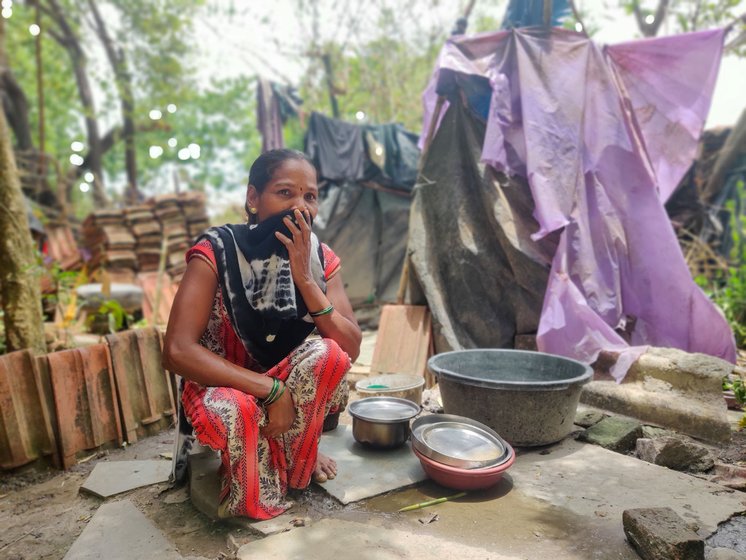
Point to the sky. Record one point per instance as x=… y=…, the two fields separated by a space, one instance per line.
x=230 y=46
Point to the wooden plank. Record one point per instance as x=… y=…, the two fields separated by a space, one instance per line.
x=404 y=340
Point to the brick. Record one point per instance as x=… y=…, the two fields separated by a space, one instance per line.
x=660 y=534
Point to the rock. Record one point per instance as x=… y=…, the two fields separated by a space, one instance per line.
x=431 y=401
x=669 y=388
x=675 y=452
x=660 y=534
x=654 y=432
x=732 y=476
x=723 y=554
x=615 y=433
x=587 y=418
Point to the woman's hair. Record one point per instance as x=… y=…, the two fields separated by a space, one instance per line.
x=265 y=165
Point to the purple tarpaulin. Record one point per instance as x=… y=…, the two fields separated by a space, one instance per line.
x=603 y=136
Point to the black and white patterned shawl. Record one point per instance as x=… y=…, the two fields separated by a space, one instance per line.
x=264 y=306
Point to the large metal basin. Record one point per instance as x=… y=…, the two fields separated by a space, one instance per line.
x=529 y=398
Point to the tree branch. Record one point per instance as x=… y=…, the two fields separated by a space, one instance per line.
x=695 y=17
x=650 y=29
x=739 y=40
x=734 y=23
x=577 y=16
x=108 y=141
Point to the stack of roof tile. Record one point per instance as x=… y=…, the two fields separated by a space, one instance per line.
x=148 y=237
x=193 y=207
x=112 y=246
x=173 y=227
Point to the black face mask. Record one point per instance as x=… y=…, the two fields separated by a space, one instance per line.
x=265 y=308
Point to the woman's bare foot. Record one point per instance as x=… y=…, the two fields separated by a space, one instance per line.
x=326 y=468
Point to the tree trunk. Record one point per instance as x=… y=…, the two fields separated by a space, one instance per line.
x=128 y=131
x=19 y=288
x=118 y=63
x=15 y=105
x=65 y=36
x=329 y=71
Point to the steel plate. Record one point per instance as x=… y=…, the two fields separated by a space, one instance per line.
x=384 y=410
x=459 y=442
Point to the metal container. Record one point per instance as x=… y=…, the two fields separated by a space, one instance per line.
x=458 y=441
x=529 y=398
x=382 y=422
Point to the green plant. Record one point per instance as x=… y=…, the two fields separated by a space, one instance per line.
x=728 y=289
x=731 y=298
x=112 y=314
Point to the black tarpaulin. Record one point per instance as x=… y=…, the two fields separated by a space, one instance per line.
x=367 y=173
x=471 y=253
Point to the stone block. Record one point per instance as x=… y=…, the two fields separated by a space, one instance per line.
x=614 y=433
x=587 y=418
x=670 y=388
x=204 y=482
x=675 y=452
x=660 y=534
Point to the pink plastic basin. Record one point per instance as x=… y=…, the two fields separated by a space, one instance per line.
x=464 y=479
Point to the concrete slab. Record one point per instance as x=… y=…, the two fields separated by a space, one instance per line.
x=330 y=538
x=563 y=502
x=591 y=481
x=281 y=524
x=112 y=478
x=363 y=473
x=670 y=388
x=119 y=531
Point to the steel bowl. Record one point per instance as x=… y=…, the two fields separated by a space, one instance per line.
x=382 y=422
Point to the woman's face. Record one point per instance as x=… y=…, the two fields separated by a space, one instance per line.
x=293 y=185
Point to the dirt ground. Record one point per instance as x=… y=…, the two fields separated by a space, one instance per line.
x=42 y=512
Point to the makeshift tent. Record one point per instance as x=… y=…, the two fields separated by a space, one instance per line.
x=576 y=246
x=366 y=174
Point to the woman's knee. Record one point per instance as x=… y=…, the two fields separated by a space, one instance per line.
x=335 y=352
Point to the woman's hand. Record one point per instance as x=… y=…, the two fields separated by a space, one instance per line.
x=280 y=414
x=299 y=247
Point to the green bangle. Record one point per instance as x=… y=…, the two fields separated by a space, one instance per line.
x=277 y=394
x=272 y=391
x=324 y=311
